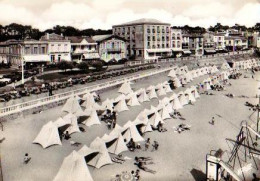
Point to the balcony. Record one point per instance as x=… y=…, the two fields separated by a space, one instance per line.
x=114 y=50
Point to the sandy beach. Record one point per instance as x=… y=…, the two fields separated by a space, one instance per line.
x=179 y=157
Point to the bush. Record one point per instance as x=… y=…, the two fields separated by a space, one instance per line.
x=83 y=66
x=122 y=61
x=64 y=65
x=97 y=64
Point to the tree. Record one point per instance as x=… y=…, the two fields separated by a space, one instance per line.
x=97 y=64
x=83 y=66
x=64 y=65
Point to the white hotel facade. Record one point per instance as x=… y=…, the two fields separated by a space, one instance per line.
x=147 y=38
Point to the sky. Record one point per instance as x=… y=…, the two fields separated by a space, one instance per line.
x=102 y=14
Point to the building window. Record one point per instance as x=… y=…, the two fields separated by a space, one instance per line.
x=148 y=30
x=163 y=46
x=52 y=58
x=27 y=50
x=35 y=50
x=153 y=38
x=43 y=50
x=59 y=58
x=167 y=45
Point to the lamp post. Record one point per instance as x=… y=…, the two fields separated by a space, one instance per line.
x=22 y=70
x=257 y=123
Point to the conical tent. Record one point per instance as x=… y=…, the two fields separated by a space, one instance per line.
x=88 y=153
x=155 y=119
x=167 y=104
x=125 y=88
x=89 y=100
x=118 y=129
x=132 y=99
x=225 y=66
x=74 y=127
x=190 y=95
x=103 y=157
x=92 y=119
x=151 y=92
x=115 y=143
x=107 y=104
x=48 y=135
x=182 y=98
x=142 y=96
x=120 y=104
x=176 y=82
x=172 y=73
x=145 y=125
x=73 y=168
x=167 y=87
x=130 y=131
x=72 y=106
x=175 y=102
x=164 y=113
x=195 y=92
x=160 y=90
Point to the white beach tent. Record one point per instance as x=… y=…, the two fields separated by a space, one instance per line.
x=132 y=99
x=89 y=100
x=142 y=96
x=125 y=88
x=115 y=143
x=107 y=104
x=72 y=105
x=130 y=131
x=73 y=168
x=167 y=87
x=92 y=118
x=172 y=73
x=194 y=92
x=176 y=82
x=145 y=125
x=151 y=92
x=175 y=102
x=160 y=90
x=74 y=127
x=182 y=98
x=120 y=103
x=88 y=153
x=116 y=130
x=155 y=118
x=103 y=157
x=194 y=74
x=189 y=95
x=164 y=113
x=48 y=135
x=225 y=66
x=167 y=103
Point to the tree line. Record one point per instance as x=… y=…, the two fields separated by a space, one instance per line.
x=20 y=32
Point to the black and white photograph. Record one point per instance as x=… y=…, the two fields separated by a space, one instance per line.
x=129 y=90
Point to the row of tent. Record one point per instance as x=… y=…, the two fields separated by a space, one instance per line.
x=241 y=65
x=51 y=132
x=97 y=154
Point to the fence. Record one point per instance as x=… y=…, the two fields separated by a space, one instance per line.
x=63 y=96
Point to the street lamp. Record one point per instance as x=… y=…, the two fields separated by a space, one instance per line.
x=22 y=70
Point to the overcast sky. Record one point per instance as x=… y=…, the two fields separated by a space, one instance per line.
x=103 y=14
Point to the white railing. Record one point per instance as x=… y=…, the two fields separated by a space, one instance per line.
x=63 y=96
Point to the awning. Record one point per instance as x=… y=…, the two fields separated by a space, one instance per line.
x=159 y=50
x=174 y=50
x=186 y=51
x=210 y=51
x=91 y=55
x=36 y=58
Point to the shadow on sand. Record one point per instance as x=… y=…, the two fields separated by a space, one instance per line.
x=198 y=175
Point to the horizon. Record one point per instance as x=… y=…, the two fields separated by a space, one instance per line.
x=80 y=14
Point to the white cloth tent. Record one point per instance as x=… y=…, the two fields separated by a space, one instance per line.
x=182 y=98
x=145 y=125
x=130 y=131
x=48 y=135
x=151 y=92
x=72 y=106
x=175 y=102
x=155 y=118
x=103 y=157
x=118 y=129
x=107 y=104
x=120 y=104
x=92 y=119
x=142 y=96
x=73 y=168
x=176 y=82
x=194 y=92
x=89 y=101
x=167 y=87
x=225 y=66
x=160 y=90
x=189 y=95
x=172 y=73
x=132 y=99
x=125 y=88
x=164 y=113
x=74 y=127
x=115 y=143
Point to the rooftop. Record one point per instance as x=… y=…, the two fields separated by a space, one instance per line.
x=78 y=39
x=99 y=38
x=143 y=21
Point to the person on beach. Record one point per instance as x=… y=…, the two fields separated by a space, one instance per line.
x=131 y=145
x=147 y=144
x=67 y=135
x=26 y=158
x=155 y=146
x=140 y=165
x=213 y=121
